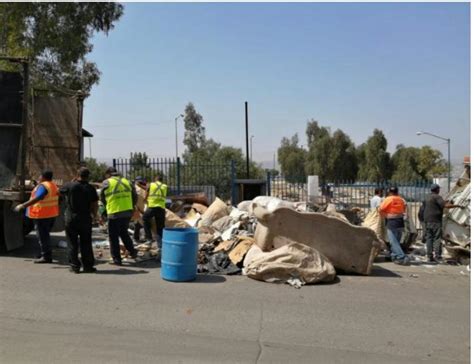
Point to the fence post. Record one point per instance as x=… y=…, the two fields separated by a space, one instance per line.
x=233 y=196
x=178 y=175
x=269 y=183
x=114 y=163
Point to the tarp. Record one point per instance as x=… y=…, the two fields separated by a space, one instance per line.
x=292 y=261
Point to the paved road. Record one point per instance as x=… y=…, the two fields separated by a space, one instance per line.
x=128 y=314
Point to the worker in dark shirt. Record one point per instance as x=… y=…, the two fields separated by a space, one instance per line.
x=81 y=207
x=433 y=207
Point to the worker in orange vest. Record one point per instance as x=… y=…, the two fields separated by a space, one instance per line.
x=42 y=208
x=393 y=208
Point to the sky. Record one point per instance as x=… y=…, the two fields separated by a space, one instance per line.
x=398 y=67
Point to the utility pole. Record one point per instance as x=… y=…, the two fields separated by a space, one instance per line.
x=247 y=137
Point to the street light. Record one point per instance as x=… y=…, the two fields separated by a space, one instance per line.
x=176 y=132
x=251 y=144
x=449 y=152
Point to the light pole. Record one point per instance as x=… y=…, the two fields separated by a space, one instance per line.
x=176 y=132
x=449 y=152
x=251 y=145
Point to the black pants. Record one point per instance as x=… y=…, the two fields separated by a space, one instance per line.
x=79 y=235
x=118 y=228
x=159 y=215
x=43 y=228
x=433 y=239
x=136 y=231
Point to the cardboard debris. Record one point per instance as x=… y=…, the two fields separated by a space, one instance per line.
x=174 y=221
x=348 y=247
x=192 y=218
x=238 y=253
x=217 y=210
x=225 y=245
x=199 y=208
x=223 y=223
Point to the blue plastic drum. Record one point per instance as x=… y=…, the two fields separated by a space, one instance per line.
x=179 y=254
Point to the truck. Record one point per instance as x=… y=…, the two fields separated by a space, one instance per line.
x=39 y=129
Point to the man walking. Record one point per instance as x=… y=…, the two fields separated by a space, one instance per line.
x=81 y=207
x=140 y=189
x=393 y=208
x=156 y=201
x=119 y=198
x=433 y=207
x=42 y=208
x=377 y=199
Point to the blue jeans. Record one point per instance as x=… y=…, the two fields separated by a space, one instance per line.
x=394 y=236
x=43 y=228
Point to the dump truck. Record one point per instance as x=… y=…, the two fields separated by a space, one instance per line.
x=39 y=129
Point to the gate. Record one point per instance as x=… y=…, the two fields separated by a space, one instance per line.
x=216 y=180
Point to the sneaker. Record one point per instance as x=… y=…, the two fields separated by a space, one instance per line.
x=115 y=262
x=89 y=270
x=430 y=259
x=43 y=260
x=404 y=261
x=74 y=270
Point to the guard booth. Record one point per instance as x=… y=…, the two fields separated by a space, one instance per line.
x=248 y=189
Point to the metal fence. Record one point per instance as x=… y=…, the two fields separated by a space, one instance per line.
x=348 y=195
x=181 y=178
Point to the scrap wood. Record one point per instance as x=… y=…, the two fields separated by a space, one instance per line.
x=200 y=198
x=238 y=253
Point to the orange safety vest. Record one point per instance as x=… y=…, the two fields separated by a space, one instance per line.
x=47 y=207
x=393 y=205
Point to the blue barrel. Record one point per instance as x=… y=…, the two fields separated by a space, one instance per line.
x=179 y=254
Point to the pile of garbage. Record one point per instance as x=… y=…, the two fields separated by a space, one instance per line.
x=272 y=240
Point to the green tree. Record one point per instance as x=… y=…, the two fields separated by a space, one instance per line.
x=343 y=158
x=291 y=158
x=332 y=157
x=412 y=164
x=194 y=131
x=373 y=159
x=97 y=169
x=56 y=39
x=139 y=166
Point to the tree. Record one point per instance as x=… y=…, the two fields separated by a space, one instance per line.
x=373 y=159
x=56 y=39
x=194 y=131
x=97 y=169
x=139 y=166
x=291 y=158
x=332 y=157
x=412 y=164
x=343 y=158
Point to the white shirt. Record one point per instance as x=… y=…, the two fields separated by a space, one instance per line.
x=375 y=202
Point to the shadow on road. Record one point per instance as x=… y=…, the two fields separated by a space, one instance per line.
x=378 y=271
x=121 y=271
x=207 y=278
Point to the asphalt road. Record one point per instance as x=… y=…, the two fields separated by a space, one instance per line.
x=123 y=315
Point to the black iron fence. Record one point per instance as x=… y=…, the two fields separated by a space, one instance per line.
x=181 y=178
x=348 y=195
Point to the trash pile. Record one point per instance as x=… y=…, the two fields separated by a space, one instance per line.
x=457 y=222
x=272 y=240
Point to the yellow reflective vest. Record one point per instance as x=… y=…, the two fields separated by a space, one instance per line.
x=157 y=195
x=118 y=195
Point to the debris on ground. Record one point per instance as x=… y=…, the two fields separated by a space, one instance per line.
x=217 y=210
x=348 y=247
x=296 y=264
